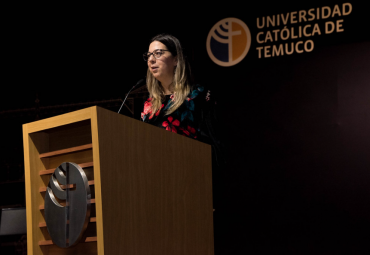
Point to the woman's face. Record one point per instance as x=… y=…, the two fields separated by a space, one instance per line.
x=163 y=67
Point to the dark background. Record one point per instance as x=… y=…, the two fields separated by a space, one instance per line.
x=295 y=128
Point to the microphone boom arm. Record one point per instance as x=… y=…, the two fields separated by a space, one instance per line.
x=138 y=83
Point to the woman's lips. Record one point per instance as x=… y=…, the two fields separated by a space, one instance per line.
x=154 y=68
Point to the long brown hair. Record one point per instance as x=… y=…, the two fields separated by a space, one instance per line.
x=181 y=78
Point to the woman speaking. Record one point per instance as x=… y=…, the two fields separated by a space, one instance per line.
x=174 y=103
x=177 y=105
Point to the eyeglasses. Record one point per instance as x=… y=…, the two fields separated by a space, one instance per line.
x=156 y=53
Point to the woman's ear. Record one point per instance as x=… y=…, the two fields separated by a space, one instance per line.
x=175 y=61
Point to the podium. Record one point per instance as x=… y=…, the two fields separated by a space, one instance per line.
x=151 y=190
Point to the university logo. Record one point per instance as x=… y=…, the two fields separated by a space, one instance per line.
x=67 y=204
x=228 y=42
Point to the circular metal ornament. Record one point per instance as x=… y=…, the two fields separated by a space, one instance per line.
x=67 y=204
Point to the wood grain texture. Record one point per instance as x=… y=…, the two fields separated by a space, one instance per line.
x=65 y=151
x=76 y=134
x=27 y=175
x=81 y=248
x=156 y=189
x=59 y=121
x=153 y=189
x=97 y=184
x=42 y=207
x=43 y=224
x=43 y=189
x=45 y=136
x=77 y=157
x=88 y=239
x=32 y=144
x=82 y=165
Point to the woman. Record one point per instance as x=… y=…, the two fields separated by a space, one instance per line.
x=180 y=107
x=174 y=103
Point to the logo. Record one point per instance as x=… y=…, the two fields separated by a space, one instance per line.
x=67 y=223
x=228 y=42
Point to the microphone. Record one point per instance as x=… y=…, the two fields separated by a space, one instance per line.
x=140 y=82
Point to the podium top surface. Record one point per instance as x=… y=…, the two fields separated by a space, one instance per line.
x=60 y=120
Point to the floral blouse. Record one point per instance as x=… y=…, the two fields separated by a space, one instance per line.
x=191 y=119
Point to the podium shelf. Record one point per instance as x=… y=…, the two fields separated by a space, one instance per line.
x=65 y=151
x=87 y=240
x=42 y=207
x=43 y=224
x=82 y=165
x=43 y=189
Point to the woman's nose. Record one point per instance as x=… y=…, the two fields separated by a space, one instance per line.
x=151 y=58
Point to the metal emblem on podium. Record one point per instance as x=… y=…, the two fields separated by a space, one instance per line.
x=67 y=223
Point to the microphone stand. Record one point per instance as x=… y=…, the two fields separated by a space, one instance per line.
x=138 y=83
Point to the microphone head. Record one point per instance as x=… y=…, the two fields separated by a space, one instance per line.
x=141 y=82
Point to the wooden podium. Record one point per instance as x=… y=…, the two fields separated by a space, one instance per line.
x=151 y=189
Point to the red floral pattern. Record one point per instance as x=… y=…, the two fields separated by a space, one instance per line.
x=186 y=119
x=190 y=131
x=148 y=109
x=170 y=124
x=157 y=113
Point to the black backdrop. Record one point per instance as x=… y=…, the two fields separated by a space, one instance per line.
x=295 y=128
